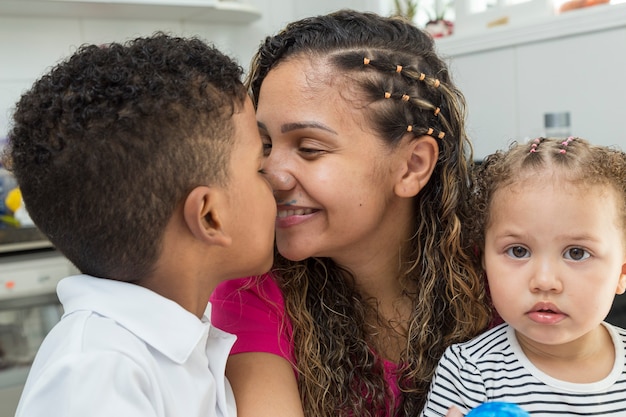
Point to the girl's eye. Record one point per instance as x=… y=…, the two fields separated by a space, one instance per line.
x=518 y=252
x=576 y=254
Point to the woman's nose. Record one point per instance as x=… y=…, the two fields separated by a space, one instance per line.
x=280 y=180
x=277 y=170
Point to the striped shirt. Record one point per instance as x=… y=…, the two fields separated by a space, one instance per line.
x=493 y=367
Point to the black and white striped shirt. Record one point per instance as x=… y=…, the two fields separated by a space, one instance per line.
x=493 y=367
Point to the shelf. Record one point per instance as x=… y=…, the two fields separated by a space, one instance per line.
x=214 y=11
x=575 y=22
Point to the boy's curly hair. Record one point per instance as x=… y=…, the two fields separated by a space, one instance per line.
x=110 y=141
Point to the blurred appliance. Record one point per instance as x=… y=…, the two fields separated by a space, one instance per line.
x=29 y=308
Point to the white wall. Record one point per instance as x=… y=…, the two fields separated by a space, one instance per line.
x=31 y=45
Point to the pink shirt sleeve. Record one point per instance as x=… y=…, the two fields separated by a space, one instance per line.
x=253 y=309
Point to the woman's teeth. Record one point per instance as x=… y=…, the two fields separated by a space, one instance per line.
x=298 y=212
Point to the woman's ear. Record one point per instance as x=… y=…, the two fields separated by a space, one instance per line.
x=621 y=284
x=421 y=158
x=203 y=212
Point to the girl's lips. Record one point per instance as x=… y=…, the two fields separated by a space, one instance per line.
x=546 y=313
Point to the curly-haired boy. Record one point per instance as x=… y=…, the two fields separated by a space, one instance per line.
x=142 y=163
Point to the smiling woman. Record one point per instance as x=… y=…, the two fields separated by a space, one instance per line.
x=366 y=152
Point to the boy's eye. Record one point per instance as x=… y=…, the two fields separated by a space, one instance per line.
x=518 y=252
x=576 y=254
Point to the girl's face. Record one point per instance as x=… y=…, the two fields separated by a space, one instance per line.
x=333 y=178
x=555 y=257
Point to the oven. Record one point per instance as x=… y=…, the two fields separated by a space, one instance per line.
x=29 y=308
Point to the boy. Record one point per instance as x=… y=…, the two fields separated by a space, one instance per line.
x=141 y=162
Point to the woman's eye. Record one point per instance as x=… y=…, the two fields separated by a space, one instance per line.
x=518 y=252
x=310 y=151
x=576 y=254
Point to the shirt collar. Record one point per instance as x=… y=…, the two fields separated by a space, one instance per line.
x=159 y=321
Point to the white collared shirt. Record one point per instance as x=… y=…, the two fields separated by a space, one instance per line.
x=122 y=350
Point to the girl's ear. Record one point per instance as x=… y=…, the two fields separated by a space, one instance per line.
x=421 y=158
x=203 y=212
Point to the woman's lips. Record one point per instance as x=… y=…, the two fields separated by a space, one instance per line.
x=291 y=216
x=281 y=213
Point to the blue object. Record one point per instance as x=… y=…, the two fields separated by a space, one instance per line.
x=498 y=409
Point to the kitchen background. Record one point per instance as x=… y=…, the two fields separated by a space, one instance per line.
x=527 y=68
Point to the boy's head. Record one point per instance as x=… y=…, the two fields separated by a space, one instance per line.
x=109 y=142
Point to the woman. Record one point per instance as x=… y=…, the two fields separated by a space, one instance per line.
x=368 y=158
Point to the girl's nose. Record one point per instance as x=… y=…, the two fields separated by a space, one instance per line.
x=546 y=278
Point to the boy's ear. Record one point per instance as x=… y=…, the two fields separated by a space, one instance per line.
x=421 y=158
x=203 y=211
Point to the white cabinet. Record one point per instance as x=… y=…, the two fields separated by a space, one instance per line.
x=215 y=11
x=572 y=63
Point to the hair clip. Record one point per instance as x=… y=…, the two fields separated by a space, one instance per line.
x=437 y=82
x=398 y=68
x=409 y=128
x=437 y=111
x=405 y=97
x=387 y=94
x=366 y=61
x=422 y=76
x=533 y=147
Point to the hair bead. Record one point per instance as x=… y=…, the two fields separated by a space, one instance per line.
x=430 y=131
x=422 y=76
x=441 y=135
x=409 y=128
x=437 y=111
x=405 y=97
x=437 y=82
x=387 y=94
x=398 y=68
x=366 y=61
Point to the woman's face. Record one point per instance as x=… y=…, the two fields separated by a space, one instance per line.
x=333 y=178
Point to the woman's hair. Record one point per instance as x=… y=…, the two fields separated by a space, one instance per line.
x=111 y=140
x=404 y=87
x=572 y=159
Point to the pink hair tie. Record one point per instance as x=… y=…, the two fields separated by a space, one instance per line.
x=562 y=151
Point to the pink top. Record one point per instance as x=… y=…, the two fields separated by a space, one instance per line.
x=254 y=310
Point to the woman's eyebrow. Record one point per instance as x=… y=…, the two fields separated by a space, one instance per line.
x=288 y=127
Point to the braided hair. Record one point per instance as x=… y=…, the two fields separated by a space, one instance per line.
x=403 y=87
